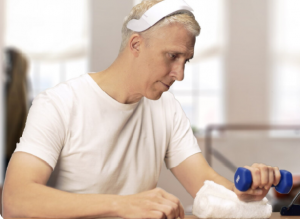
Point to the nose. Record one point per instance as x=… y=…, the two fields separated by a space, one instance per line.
x=179 y=73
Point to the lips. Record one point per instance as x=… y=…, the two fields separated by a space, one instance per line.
x=165 y=84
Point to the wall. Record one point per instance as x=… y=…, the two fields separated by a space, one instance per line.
x=246 y=62
x=106 y=20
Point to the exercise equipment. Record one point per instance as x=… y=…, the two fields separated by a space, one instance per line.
x=243 y=180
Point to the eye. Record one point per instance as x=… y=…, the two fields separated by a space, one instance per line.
x=172 y=56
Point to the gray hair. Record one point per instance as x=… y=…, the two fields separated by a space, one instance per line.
x=183 y=17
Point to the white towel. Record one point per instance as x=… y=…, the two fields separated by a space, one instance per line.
x=216 y=201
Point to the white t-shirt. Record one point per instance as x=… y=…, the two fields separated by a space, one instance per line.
x=98 y=145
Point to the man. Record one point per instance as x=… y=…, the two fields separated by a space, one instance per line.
x=94 y=146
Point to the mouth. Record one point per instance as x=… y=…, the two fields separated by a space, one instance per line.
x=166 y=85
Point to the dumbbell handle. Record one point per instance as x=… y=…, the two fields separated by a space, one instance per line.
x=243 y=180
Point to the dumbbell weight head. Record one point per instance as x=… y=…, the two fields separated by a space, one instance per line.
x=242 y=179
x=286 y=183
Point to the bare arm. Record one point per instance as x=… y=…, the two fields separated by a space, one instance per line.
x=192 y=173
x=195 y=170
x=25 y=194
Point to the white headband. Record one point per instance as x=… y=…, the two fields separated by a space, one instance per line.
x=156 y=13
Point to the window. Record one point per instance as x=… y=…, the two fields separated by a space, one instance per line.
x=285 y=45
x=53 y=35
x=45 y=74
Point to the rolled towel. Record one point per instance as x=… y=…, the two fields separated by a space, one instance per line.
x=216 y=201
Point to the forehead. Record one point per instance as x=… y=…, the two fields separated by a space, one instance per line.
x=174 y=37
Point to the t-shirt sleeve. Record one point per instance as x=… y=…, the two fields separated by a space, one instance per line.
x=182 y=142
x=44 y=132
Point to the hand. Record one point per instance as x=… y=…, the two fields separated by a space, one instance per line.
x=263 y=177
x=155 y=203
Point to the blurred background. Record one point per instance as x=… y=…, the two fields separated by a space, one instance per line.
x=241 y=91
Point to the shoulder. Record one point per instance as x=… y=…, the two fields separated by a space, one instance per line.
x=62 y=98
x=63 y=92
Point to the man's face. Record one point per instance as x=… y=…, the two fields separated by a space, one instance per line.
x=164 y=59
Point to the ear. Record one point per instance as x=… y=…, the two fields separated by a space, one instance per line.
x=135 y=42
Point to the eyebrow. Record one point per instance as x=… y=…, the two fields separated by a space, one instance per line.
x=181 y=53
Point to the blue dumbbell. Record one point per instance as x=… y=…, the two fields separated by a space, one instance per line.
x=243 y=180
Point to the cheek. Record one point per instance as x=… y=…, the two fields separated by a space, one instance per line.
x=156 y=67
x=162 y=66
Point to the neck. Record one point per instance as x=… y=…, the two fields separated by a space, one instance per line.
x=119 y=81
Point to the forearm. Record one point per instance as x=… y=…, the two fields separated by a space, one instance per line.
x=36 y=200
x=222 y=181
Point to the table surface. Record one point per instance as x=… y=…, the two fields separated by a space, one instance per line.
x=275 y=215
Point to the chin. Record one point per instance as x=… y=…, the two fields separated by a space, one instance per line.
x=155 y=96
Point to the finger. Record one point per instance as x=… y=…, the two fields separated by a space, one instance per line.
x=277 y=176
x=255 y=165
x=173 y=199
x=167 y=202
x=257 y=191
x=271 y=178
x=170 y=197
x=169 y=211
x=156 y=214
x=181 y=211
x=250 y=191
x=258 y=165
x=255 y=173
x=264 y=175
